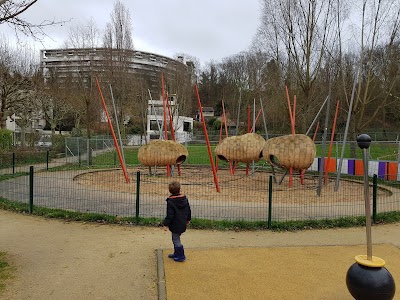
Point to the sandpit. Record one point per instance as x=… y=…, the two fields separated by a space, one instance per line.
x=237 y=187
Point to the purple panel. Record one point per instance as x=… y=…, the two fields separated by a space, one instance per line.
x=319 y=163
x=382 y=166
x=351 y=167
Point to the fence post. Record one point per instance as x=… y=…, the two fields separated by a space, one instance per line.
x=13 y=162
x=374 y=196
x=79 y=151
x=269 y=202
x=398 y=152
x=137 y=195
x=47 y=159
x=31 y=189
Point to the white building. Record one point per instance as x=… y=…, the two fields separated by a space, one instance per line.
x=183 y=126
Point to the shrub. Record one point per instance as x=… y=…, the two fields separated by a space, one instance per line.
x=58 y=143
x=5 y=140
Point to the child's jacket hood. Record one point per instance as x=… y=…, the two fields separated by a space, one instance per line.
x=180 y=201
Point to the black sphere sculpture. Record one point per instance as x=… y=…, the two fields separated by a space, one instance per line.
x=367 y=278
x=370 y=283
x=363 y=141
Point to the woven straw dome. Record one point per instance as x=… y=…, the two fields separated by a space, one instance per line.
x=162 y=153
x=242 y=148
x=296 y=151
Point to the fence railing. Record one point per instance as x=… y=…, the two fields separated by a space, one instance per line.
x=250 y=196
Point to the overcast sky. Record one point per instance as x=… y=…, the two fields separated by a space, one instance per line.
x=206 y=29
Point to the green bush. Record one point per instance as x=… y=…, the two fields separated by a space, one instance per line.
x=58 y=143
x=5 y=140
x=23 y=157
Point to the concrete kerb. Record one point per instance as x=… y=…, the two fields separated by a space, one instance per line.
x=162 y=293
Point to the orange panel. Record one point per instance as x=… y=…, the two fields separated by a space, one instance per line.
x=359 y=168
x=392 y=170
x=330 y=164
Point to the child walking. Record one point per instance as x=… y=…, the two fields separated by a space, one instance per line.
x=177 y=219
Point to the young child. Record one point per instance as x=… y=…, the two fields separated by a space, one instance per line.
x=177 y=219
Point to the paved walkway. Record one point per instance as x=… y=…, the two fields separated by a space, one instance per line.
x=310 y=272
x=55 y=259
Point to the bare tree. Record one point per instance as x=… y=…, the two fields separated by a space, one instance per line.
x=83 y=35
x=53 y=104
x=25 y=111
x=379 y=29
x=16 y=67
x=118 y=32
x=78 y=89
x=11 y=12
x=118 y=39
x=299 y=35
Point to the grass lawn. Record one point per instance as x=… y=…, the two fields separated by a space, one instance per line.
x=198 y=154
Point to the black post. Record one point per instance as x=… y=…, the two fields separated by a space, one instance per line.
x=137 y=195
x=367 y=278
x=374 y=196
x=13 y=162
x=47 y=159
x=79 y=151
x=31 y=189
x=270 y=201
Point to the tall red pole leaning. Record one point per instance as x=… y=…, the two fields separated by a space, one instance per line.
x=292 y=120
x=165 y=117
x=207 y=140
x=113 y=134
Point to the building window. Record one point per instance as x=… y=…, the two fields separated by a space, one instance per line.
x=187 y=127
x=153 y=125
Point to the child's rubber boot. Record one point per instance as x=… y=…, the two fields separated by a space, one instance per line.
x=172 y=255
x=179 y=254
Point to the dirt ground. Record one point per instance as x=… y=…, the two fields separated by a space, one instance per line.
x=199 y=182
x=55 y=259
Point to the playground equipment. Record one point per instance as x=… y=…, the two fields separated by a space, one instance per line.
x=290 y=151
x=243 y=148
x=119 y=151
x=367 y=278
x=162 y=153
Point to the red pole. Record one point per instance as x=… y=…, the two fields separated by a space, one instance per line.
x=121 y=161
x=207 y=140
x=258 y=115
x=165 y=117
x=315 y=133
x=331 y=142
x=220 y=139
x=292 y=125
x=290 y=108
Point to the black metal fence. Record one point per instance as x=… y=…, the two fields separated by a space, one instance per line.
x=251 y=193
